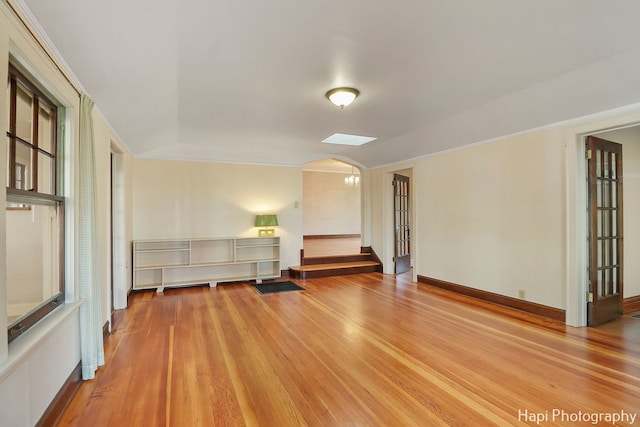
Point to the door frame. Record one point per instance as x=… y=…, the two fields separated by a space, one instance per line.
x=398 y=223
x=387 y=235
x=576 y=217
x=118 y=231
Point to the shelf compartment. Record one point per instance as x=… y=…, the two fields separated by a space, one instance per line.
x=211 y=252
x=257 y=253
x=268 y=269
x=161 y=245
x=150 y=259
x=257 y=241
x=150 y=278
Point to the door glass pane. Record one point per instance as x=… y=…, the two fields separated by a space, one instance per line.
x=599 y=193
x=614 y=223
x=599 y=244
x=600 y=277
x=24 y=114
x=605 y=165
x=614 y=195
x=614 y=172
x=598 y=163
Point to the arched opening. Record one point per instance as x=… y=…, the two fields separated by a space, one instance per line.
x=331 y=208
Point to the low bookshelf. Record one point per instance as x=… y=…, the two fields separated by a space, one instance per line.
x=184 y=262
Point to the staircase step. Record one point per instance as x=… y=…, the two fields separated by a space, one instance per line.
x=334 y=269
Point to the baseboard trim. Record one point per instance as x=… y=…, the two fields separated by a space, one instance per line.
x=518 y=304
x=59 y=403
x=631 y=304
x=329 y=236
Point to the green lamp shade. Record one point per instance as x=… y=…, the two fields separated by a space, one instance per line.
x=266 y=220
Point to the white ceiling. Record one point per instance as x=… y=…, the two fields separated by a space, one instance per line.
x=244 y=81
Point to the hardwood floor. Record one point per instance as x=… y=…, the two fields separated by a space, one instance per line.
x=366 y=350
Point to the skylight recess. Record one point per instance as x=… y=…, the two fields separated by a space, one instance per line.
x=346 y=139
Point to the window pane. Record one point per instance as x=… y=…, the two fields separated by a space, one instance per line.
x=45 y=174
x=45 y=129
x=33 y=258
x=23 y=158
x=24 y=114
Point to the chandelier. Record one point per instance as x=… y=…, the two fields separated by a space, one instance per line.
x=352 y=180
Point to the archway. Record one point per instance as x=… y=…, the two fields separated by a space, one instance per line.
x=331 y=208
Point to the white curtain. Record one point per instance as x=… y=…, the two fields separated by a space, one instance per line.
x=91 y=345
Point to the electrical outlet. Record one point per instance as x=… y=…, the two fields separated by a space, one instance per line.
x=521 y=294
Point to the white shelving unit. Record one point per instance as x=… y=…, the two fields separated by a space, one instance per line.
x=183 y=262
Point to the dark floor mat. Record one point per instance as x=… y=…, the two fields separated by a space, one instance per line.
x=270 y=288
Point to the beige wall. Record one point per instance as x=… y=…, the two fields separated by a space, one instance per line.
x=177 y=199
x=492 y=217
x=330 y=206
x=499 y=217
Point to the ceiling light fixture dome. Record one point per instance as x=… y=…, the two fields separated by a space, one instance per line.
x=342 y=96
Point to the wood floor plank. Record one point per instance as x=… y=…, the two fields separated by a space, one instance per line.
x=366 y=349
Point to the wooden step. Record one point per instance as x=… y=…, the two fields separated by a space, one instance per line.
x=334 y=259
x=334 y=269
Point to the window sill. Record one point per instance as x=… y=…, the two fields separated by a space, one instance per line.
x=25 y=345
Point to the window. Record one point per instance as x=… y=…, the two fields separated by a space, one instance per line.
x=35 y=207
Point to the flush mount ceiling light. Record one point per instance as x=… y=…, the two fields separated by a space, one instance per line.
x=342 y=96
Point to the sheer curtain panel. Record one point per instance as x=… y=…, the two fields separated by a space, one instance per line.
x=91 y=345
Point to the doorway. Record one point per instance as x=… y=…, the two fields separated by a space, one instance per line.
x=626 y=131
x=401 y=224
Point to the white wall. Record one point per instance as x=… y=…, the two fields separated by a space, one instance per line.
x=177 y=199
x=330 y=206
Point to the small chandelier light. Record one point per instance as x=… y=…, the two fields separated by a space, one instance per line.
x=342 y=96
x=353 y=180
